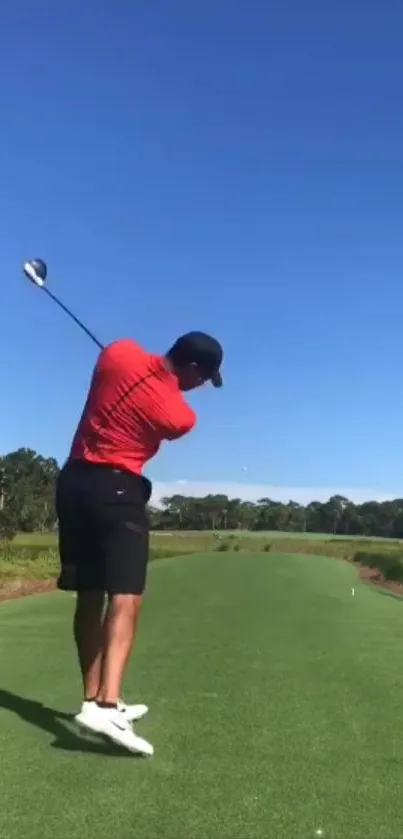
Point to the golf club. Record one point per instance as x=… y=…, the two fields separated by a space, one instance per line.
x=36 y=271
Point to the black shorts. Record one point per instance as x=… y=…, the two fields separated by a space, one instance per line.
x=103 y=529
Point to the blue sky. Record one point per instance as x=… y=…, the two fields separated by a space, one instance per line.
x=235 y=167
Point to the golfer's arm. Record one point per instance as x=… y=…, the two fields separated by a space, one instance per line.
x=174 y=419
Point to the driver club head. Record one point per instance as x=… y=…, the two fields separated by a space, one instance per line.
x=36 y=271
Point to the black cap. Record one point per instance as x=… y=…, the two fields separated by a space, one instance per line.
x=201 y=349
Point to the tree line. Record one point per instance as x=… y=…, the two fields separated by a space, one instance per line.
x=337 y=516
x=27 y=484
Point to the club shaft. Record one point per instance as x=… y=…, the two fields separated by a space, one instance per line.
x=73 y=317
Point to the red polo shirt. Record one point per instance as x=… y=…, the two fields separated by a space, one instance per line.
x=133 y=404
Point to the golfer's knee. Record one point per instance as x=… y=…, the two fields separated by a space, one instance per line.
x=125 y=604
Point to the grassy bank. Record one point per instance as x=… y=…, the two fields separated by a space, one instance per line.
x=34 y=556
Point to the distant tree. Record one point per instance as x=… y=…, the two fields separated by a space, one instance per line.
x=27 y=484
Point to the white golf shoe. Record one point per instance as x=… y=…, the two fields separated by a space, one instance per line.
x=131 y=712
x=113 y=724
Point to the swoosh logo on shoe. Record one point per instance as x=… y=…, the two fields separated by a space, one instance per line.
x=119 y=727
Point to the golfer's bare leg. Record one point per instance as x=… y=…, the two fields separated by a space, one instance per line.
x=119 y=631
x=88 y=634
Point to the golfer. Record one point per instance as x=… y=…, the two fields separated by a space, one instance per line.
x=135 y=402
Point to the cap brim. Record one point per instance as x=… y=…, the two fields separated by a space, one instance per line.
x=216 y=379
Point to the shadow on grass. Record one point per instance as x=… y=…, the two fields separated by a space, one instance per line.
x=53 y=722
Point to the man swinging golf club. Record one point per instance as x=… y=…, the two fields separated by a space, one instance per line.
x=135 y=401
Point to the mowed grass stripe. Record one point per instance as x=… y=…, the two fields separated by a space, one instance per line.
x=276 y=706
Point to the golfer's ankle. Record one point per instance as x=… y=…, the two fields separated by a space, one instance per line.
x=106 y=705
x=107 y=698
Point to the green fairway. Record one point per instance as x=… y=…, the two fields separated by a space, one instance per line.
x=276 y=709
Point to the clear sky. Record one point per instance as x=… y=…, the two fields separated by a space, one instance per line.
x=235 y=167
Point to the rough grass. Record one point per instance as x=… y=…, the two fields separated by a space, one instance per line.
x=34 y=556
